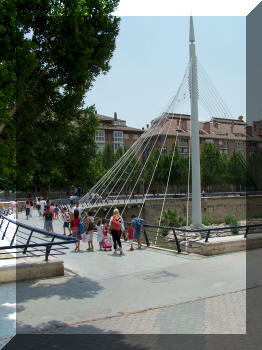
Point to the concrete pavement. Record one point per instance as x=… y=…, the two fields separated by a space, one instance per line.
x=144 y=291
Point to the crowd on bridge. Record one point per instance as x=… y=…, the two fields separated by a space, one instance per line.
x=74 y=225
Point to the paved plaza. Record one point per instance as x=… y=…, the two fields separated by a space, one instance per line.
x=144 y=291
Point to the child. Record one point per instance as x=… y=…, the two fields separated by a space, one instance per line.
x=48 y=215
x=75 y=228
x=105 y=227
x=52 y=207
x=100 y=233
x=27 y=209
x=56 y=211
x=89 y=229
x=130 y=235
x=65 y=217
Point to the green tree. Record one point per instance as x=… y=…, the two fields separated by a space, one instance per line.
x=50 y=53
x=108 y=157
x=237 y=170
x=213 y=166
x=119 y=153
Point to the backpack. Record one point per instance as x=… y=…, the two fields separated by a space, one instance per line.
x=115 y=224
x=138 y=224
x=81 y=227
x=91 y=225
x=48 y=216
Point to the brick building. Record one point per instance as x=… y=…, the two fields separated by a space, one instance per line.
x=228 y=135
x=115 y=132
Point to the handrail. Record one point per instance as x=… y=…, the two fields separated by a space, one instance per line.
x=47 y=245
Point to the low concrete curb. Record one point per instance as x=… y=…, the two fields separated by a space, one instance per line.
x=221 y=245
x=14 y=270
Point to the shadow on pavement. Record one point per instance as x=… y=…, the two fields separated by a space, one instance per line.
x=73 y=287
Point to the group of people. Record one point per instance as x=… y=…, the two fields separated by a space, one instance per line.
x=72 y=223
x=115 y=227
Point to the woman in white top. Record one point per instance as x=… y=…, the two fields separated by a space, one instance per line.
x=116 y=225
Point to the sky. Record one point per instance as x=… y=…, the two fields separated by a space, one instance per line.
x=150 y=60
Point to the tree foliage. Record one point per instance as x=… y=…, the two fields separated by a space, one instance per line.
x=50 y=53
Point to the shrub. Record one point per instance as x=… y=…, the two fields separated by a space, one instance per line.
x=232 y=221
x=172 y=219
x=207 y=220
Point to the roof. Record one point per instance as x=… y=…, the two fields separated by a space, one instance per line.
x=104 y=117
x=121 y=128
x=218 y=128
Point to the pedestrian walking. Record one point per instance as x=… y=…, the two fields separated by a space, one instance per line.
x=75 y=229
x=137 y=225
x=77 y=208
x=56 y=211
x=27 y=209
x=90 y=225
x=48 y=215
x=116 y=225
x=100 y=235
x=31 y=208
x=65 y=218
x=130 y=235
x=37 y=200
x=42 y=204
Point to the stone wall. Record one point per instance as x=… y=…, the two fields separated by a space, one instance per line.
x=217 y=208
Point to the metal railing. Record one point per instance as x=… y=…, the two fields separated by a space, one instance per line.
x=27 y=241
x=176 y=239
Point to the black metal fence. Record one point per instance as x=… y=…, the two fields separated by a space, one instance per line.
x=27 y=241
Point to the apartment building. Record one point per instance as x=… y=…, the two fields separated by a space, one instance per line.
x=227 y=135
x=115 y=132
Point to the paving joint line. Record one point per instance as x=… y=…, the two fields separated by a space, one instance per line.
x=121 y=313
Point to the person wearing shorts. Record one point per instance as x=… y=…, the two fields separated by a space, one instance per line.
x=90 y=223
x=136 y=224
x=75 y=229
x=48 y=215
x=65 y=216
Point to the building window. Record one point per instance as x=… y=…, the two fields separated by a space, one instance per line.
x=260 y=145
x=209 y=140
x=183 y=151
x=163 y=150
x=117 y=145
x=252 y=144
x=119 y=123
x=223 y=143
x=161 y=138
x=135 y=137
x=223 y=151
x=101 y=147
x=239 y=145
x=100 y=136
x=182 y=142
x=118 y=137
